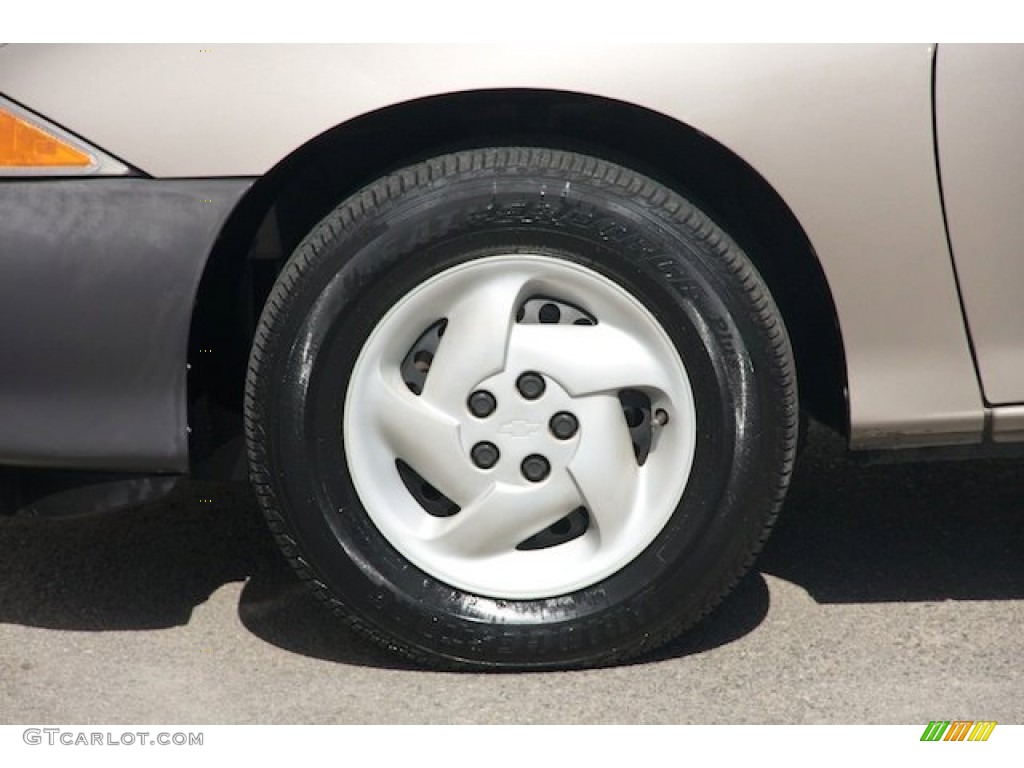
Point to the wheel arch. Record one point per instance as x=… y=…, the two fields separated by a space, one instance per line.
x=282 y=207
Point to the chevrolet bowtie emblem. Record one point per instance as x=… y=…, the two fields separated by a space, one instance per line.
x=519 y=428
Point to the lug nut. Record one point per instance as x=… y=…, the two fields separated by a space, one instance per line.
x=482 y=404
x=563 y=425
x=535 y=468
x=530 y=385
x=484 y=455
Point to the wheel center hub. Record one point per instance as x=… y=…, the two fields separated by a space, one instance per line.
x=531 y=426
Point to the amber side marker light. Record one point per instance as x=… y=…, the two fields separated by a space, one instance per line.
x=24 y=145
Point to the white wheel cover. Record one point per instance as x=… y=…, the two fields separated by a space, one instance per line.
x=485 y=348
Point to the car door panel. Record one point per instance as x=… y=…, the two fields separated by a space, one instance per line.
x=979 y=104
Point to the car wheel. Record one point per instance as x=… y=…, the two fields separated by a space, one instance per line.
x=518 y=407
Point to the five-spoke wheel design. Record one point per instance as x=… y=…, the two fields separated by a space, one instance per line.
x=501 y=427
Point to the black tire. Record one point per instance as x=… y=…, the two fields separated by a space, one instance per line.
x=482 y=209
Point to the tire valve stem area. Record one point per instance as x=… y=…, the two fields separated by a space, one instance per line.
x=636 y=409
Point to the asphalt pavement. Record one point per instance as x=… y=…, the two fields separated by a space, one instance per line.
x=887 y=594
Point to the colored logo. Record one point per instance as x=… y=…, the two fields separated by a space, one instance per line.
x=958 y=730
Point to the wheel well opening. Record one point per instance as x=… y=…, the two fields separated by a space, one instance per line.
x=284 y=205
